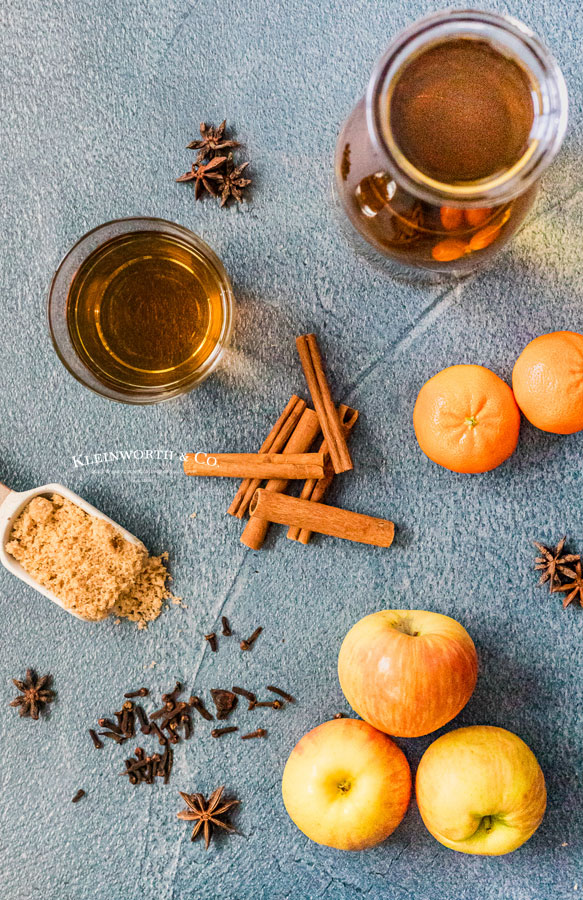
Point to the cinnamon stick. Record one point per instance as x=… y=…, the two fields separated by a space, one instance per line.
x=274 y=443
x=331 y=520
x=256 y=465
x=314 y=489
x=311 y=360
x=304 y=435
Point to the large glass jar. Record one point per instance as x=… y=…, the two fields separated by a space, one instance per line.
x=438 y=165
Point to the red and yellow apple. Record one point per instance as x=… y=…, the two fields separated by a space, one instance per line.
x=481 y=790
x=407 y=672
x=346 y=785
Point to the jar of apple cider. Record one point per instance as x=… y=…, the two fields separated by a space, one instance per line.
x=439 y=163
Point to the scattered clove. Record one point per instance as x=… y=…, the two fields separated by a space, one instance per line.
x=173 y=695
x=212 y=639
x=249 y=695
x=80 y=793
x=127 y=723
x=165 y=765
x=247 y=644
x=217 y=732
x=261 y=732
x=272 y=704
x=141 y=692
x=96 y=742
x=163 y=711
x=114 y=736
x=226 y=627
x=187 y=722
x=111 y=726
x=284 y=694
x=145 y=727
x=197 y=704
x=156 y=729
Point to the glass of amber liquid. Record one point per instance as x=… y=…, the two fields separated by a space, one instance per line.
x=439 y=163
x=140 y=310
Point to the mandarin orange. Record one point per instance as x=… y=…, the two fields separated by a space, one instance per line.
x=466 y=419
x=548 y=382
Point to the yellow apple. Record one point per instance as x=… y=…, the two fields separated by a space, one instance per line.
x=407 y=672
x=346 y=785
x=481 y=790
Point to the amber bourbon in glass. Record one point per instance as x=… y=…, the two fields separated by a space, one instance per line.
x=140 y=310
x=439 y=164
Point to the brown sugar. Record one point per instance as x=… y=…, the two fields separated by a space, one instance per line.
x=87 y=562
x=142 y=600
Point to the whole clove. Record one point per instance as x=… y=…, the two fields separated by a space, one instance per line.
x=217 y=732
x=141 y=692
x=127 y=723
x=261 y=732
x=212 y=640
x=163 y=711
x=249 y=695
x=247 y=644
x=173 y=714
x=197 y=704
x=226 y=627
x=186 y=721
x=111 y=726
x=275 y=690
x=173 y=736
x=225 y=702
x=173 y=695
x=96 y=742
x=156 y=729
x=151 y=767
x=114 y=736
x=134 y=774
x=80 y=793
x=135 y=767
x=165 y=764
x=143 y=720
x=271 y=704
x=338 y=715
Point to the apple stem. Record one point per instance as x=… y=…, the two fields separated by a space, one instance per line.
x=487 y=823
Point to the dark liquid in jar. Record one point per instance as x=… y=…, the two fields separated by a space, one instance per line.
x=459 y=112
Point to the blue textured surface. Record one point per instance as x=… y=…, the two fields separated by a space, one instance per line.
x=98 y=101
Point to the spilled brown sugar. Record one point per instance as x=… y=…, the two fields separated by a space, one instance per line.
x=87 y=563
x=142 y=601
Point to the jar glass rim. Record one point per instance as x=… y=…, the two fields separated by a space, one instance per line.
x=504 y=32
x=57 y=306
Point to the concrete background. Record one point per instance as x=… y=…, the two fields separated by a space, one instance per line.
x=98 y=103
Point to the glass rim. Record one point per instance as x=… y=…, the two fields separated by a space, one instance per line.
x=550 y=120
x=57 y=305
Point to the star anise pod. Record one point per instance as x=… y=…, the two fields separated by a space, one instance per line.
x=232 y=181
x=205 y=176
x=35 y=694
x=552 y=563
x=212 y=141
x=205 y=813
x=572 y=588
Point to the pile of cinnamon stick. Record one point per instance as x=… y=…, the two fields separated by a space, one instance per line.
x=287 y=455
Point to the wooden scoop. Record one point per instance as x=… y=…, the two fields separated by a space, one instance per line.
x=11 y=505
